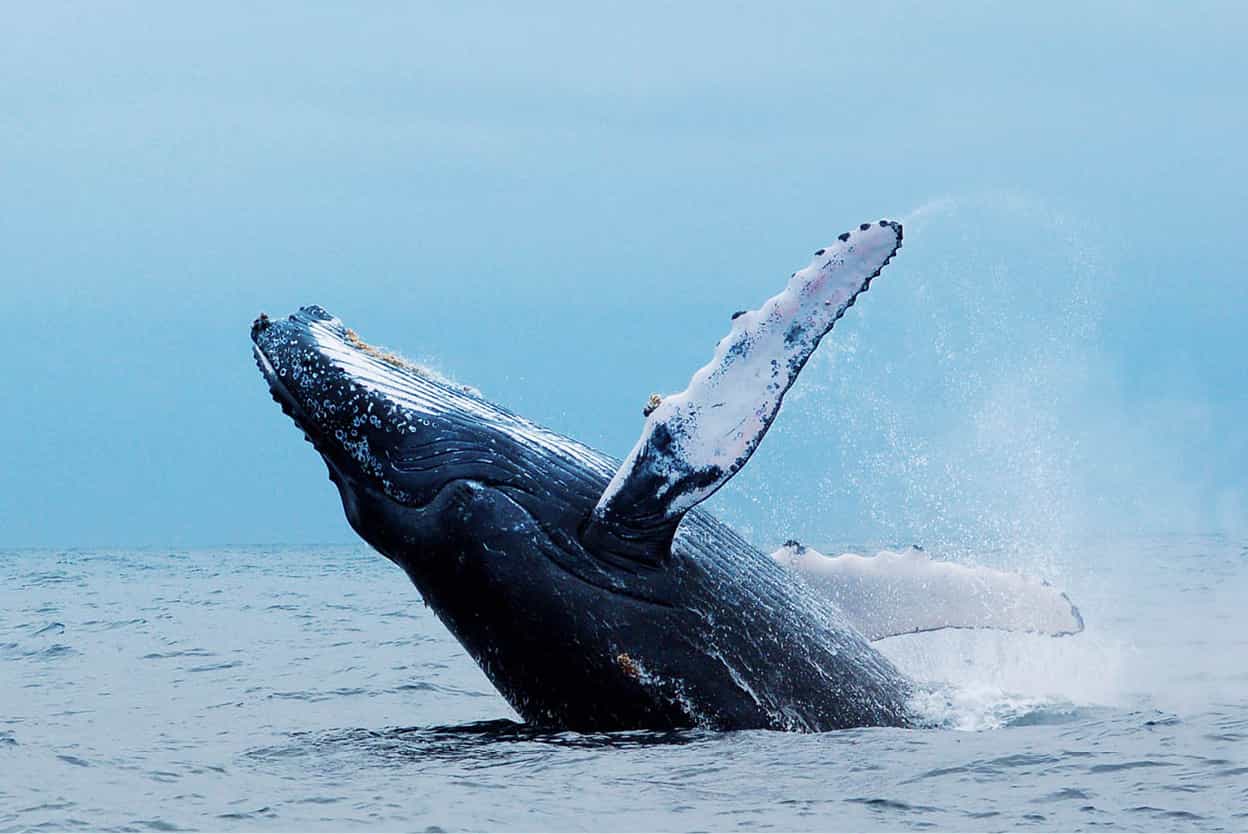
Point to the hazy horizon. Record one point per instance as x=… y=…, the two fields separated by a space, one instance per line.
x=563 y=208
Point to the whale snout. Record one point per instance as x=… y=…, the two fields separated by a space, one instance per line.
x=312 y=367
x=300 y=377
x=290 y=354
x=292 y=341
x=260 y=325
x=380 y=421
x=296 y=323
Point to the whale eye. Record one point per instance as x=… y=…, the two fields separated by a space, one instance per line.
x=844 y=237
x=864 y=227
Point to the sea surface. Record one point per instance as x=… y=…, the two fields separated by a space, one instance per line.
x=308 y=688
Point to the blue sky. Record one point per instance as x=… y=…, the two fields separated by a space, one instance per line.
x=563 y=205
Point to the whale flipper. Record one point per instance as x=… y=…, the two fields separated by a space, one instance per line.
x=902 y=593
x=695 y=441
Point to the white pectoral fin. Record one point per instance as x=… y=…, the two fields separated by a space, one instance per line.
x=902 y=593
x=696 y=440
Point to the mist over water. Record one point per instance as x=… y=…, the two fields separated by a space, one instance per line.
x=969 y=404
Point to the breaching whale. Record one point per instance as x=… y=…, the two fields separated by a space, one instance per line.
x=595 y=594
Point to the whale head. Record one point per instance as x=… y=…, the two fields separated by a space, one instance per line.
x=395 y=435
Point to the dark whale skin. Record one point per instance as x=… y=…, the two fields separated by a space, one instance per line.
x=484 y=511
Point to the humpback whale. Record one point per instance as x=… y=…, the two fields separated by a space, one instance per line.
x=596 y=594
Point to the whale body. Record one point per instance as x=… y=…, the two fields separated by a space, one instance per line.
x=595 y=594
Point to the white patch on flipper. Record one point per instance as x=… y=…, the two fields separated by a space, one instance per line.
x=696 y=440
x=902 y=593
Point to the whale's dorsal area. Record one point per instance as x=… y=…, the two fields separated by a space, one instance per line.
x=695 y=441
x=902 y=593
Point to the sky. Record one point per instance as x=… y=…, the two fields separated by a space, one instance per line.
x=563 y=203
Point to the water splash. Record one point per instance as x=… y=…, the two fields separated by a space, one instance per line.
x=969 y=405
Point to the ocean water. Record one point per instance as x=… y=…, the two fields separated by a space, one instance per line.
x=307 y=688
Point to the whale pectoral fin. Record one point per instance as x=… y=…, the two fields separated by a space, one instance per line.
x=695 y=441
x=902 y=593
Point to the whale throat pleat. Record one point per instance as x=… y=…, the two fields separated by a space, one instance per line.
x=693 y=442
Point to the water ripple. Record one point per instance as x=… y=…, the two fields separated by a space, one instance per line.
x=149 y=691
